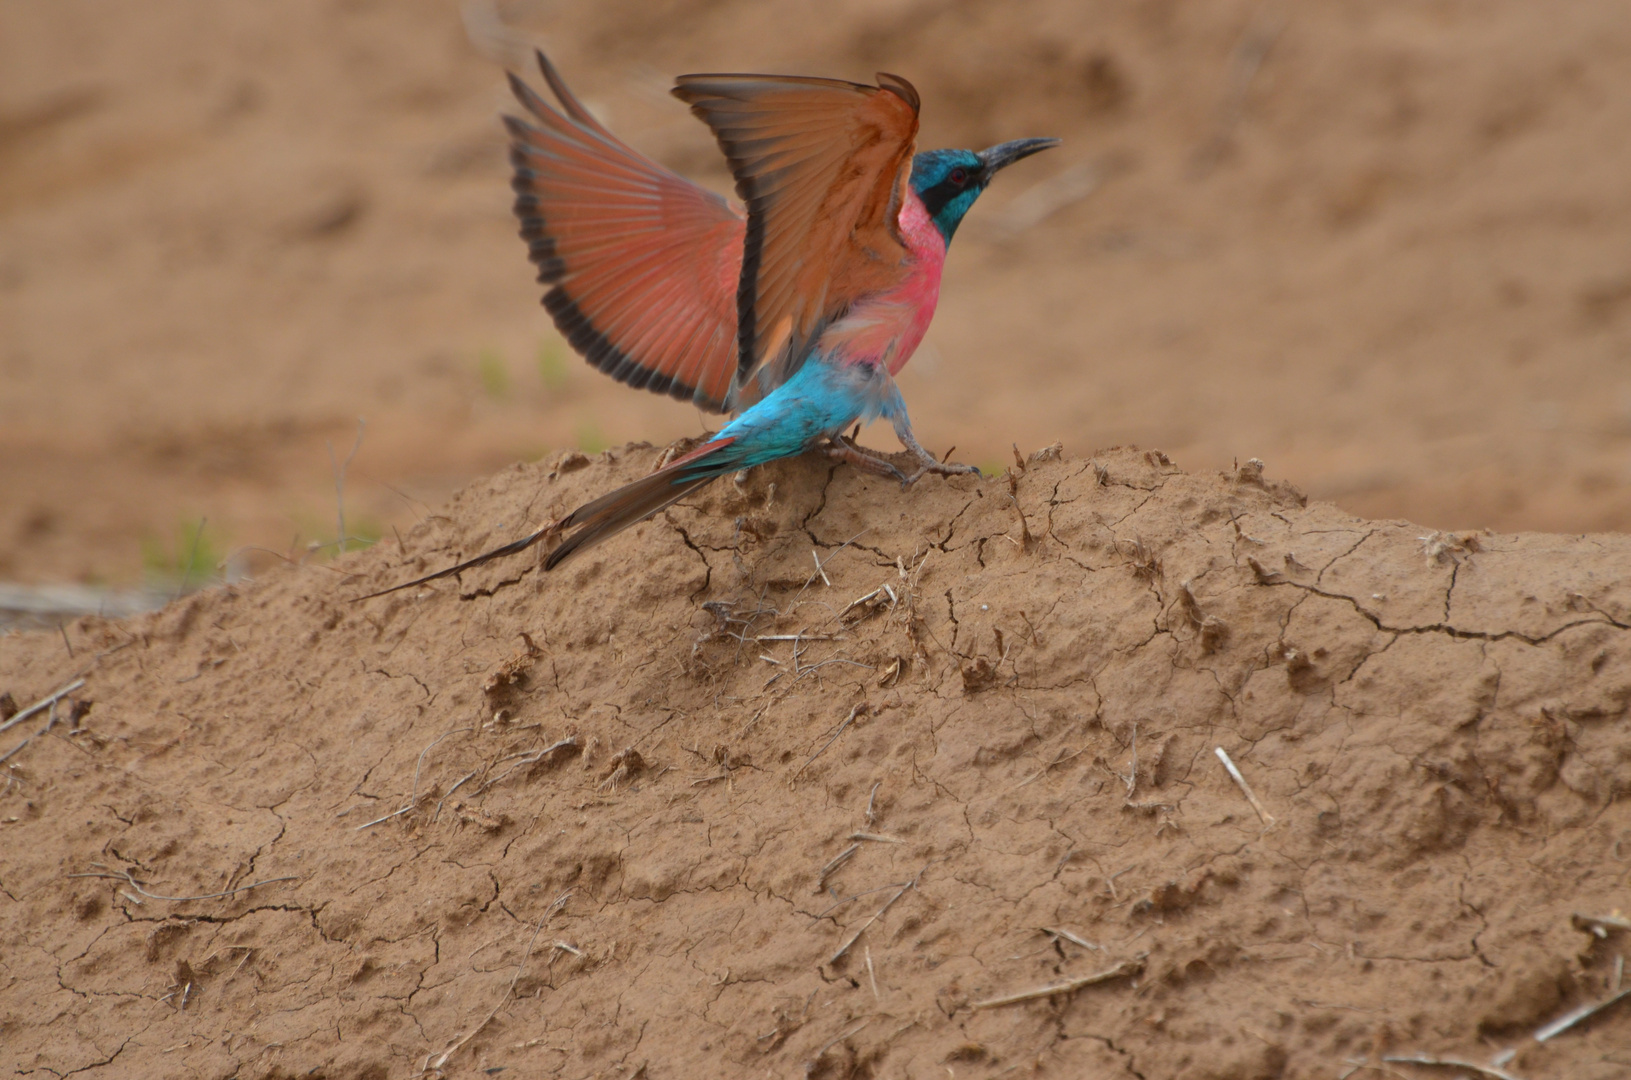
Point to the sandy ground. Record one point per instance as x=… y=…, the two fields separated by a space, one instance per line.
x=705 y=817
x=949 y=804
x=1382 y=247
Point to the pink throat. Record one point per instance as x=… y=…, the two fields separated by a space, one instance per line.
x=889 y=326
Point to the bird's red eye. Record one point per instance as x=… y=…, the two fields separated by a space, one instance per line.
x=959 y=176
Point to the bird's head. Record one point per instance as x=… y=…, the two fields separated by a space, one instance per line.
x=948 y=181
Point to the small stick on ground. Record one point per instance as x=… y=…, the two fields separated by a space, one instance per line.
x=1110 y=882
x=413 y=797
x=860 y=709
x=387 y=817
x=1126 y=967
x=821 y=563
x=50 y=722
x=1574 y=1016
x=1246 y=789
x=871 y=802
x=1599 y=925
x=876 y=838
x=825 y=580
x=871 y=975
x=1448 y=1063
x=42 y=704
x=850 y=899
x=1054 y=931
x=532 y=757
x=124 y=875
x=838 y=860
x=460 y=783
x=442 y=1059
x=876 y=915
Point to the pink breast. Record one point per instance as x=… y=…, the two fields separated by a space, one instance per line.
x=889 y=326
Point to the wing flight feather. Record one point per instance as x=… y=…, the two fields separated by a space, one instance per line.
x=643 y=265
x=821 y=165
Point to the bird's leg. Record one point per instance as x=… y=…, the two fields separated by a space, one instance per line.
x=930 y=463
x=840 y=448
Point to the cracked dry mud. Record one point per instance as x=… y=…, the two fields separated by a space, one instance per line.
x=634 y=841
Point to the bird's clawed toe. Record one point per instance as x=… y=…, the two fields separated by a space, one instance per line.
x=842 y=449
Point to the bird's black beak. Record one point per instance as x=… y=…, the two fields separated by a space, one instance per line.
x=1005 y=154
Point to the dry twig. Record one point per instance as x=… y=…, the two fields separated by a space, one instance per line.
x=42 y=704
x=876 y=915
x=1574 y=1016
x=125 y=876
x=442 y=1058
x=837 y=860
x=1448 y=1063
x=861 y=709
x=1126 y=967
x=1056 y=932
x=1246 y=789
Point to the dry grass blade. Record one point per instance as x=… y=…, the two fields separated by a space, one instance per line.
x=439 y=1060
x=124 y=875
x=1121 y=970
x=1448 y=1063
x=1056 y=932
x=860 y=709
x=413 y=797
x=838 y=860
x=876 y=915
x=1574 y=1016
x=1246 y=789
x=530 y=758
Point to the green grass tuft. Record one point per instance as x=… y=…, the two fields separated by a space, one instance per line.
x=188 y=561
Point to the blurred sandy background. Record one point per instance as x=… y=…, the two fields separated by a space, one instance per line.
x=1385 y=247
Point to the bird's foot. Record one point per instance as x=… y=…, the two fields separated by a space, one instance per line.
x=843 y=449
x=932 y=464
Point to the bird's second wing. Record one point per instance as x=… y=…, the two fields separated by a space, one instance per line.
x=822 y=165
x=644 y=265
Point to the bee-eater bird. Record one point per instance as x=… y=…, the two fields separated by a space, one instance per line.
x=794 y=316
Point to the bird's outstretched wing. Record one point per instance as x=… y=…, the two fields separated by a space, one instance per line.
x=822 y=165
x=644 y=265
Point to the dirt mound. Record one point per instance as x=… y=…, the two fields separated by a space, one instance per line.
x=814 y=777
x=1384 y=248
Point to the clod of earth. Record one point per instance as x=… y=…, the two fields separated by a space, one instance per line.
x=701 y=804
